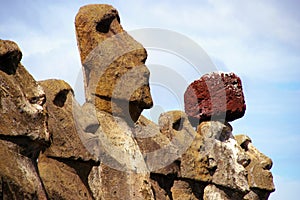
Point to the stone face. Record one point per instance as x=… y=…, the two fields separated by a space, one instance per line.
x=66 y=137
x=216 y=96
x=23 y=127
x=215 y=157
x=115 y=76
x=65 y=165
x=177 y=128
x=260 y=178
x=22 y=100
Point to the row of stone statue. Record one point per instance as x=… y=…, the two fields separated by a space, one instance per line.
x=54 y=148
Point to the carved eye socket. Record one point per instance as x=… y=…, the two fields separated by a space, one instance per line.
x=243 y=141
x=244 y=145
x=103 y=25
x=178 y=124
x=61 y=98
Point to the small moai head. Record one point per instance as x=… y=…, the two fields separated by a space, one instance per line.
x=260 y=178
x=116 y=78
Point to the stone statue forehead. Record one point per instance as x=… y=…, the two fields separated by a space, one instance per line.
x=97 y=23
x=93 y=24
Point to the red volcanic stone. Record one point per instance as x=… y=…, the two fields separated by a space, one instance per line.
x=215 y=96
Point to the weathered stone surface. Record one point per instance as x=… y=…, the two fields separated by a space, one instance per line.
x=216 y=96
x=23 y=128
x=65 y=178
x=22 y=108
x=177 y=128
x=257 y=194
x=212 y=192
x=214 y=156
x=115 y=77
x=66 y=136
x=163 y=144
x=161 y=185
x=184 y=189
x=18 y=176
x=155 y=147
x=65 y=165
x=260 y=178
x=108 y=183
x=196 y=165
x=119 y=148
x=121 y=160
x=86 y=118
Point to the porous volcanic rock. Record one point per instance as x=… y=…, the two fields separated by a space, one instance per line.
x=215 y=96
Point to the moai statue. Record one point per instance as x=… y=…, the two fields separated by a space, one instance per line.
x=23 y=127
x=116 y=83
x=215 y=158
x=116 y=79
x=260 y=178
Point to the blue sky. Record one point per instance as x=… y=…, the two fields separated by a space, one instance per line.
x=258 y=40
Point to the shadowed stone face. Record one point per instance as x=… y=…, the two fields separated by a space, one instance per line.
x=22 y=100
x=23 y=127
x=115 y=76
x=260 y=178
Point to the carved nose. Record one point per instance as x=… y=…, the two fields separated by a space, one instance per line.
x=267 y=163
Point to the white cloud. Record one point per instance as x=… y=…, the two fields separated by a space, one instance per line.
x=252 y=38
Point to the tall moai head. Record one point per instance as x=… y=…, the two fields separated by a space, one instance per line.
x=116 y=78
